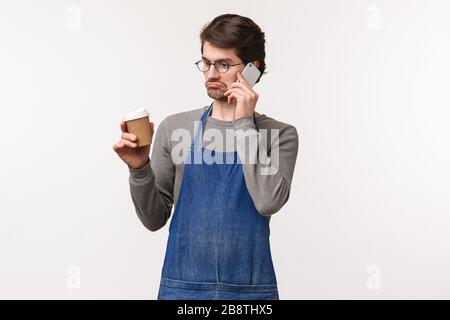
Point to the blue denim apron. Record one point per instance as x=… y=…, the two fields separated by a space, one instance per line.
x=218 y=246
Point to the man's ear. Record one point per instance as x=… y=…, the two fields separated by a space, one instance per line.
x=256 y=63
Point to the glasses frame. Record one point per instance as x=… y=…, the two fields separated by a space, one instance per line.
x=209 y=63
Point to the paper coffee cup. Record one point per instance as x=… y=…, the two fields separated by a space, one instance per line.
x=138 y=123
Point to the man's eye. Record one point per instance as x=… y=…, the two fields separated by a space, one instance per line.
x=223 y=64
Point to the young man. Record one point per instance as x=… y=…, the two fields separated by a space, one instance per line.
x=218 y=246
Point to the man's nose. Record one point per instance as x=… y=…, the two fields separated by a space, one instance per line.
x=212 y=72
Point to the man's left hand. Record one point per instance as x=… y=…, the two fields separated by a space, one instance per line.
x=245 y=96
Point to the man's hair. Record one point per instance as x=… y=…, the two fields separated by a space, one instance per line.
x=239 y=33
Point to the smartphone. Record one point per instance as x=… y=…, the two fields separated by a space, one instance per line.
x=251 y=74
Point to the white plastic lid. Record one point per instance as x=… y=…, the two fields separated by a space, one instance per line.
x=136 y=114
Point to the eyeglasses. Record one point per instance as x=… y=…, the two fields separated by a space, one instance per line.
x=220 y=65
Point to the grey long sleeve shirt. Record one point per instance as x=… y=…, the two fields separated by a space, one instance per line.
x=155 y=187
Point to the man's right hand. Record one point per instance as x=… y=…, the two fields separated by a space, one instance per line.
x=135 y=157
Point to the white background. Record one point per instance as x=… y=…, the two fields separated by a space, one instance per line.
x=364 y=82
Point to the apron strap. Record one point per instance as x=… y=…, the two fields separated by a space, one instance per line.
x=203 y=119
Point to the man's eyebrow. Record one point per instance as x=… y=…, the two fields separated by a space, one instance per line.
x=223 y=59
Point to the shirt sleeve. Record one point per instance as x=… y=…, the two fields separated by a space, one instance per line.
x=151 y=186
x=268 y=177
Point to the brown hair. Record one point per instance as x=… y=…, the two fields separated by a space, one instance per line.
x=238 y=32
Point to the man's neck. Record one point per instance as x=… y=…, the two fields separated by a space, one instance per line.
x=223 y=111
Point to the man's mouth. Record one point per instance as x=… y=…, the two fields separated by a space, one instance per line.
x=213 y=85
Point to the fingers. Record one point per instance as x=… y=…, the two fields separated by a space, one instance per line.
x=129 y=136
x=118 y=146
x=232 y=96
x=128 y=139
x=128 y=143
x=242 y=80
x=235 y=92
x=240 y=89
x=124 y=143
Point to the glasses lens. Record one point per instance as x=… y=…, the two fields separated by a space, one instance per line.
x=222 y=66
x=202 y=66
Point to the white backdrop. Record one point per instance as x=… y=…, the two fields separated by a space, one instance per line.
x=364 y=82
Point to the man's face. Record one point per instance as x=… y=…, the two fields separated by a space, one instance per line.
x=217 y=83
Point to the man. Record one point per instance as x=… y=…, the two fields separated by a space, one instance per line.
x=218 y=246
